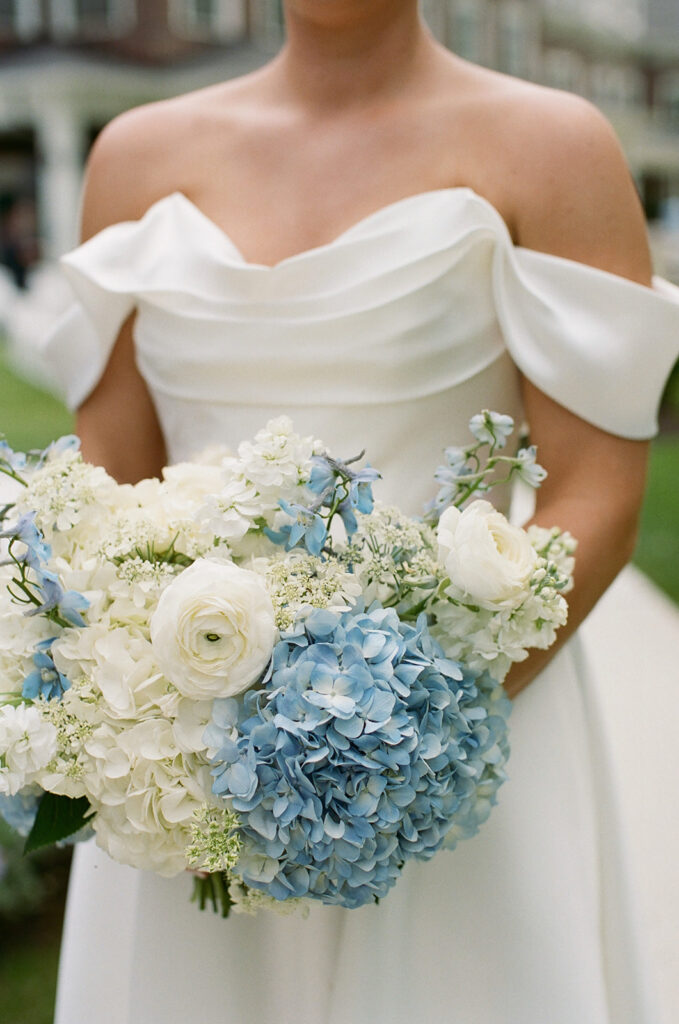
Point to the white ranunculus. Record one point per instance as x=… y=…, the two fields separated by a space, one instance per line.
x=488 y=560
x=213 y=630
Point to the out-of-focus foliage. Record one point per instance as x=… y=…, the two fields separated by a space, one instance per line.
x=658 y=547
x=29 y=417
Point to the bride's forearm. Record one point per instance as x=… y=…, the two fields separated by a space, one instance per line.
x=606 y=538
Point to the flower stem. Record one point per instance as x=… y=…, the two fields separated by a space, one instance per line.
x=212 y=888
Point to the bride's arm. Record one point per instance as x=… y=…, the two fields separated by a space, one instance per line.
x=126 y=173
x=580 y=203
x=117 y=423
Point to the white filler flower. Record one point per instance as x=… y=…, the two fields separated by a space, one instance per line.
x=487 y=559
x=213 y=630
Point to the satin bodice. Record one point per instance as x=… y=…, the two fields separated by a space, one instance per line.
x=389 y=337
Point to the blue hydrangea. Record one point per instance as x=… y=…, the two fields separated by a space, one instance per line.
x=360 y=750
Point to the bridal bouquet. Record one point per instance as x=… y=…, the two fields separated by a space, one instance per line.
x=252 y=669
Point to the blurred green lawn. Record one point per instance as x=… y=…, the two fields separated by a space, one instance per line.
x=30 y=419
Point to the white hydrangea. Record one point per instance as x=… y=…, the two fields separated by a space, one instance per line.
x=75 y=718
x=146 y=812
x=28 y=742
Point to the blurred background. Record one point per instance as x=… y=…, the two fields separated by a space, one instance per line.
x=69 y=66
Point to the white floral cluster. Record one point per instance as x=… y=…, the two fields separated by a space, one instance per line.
x=126 y=610
x=169 y=615
x=276 y=465
x=504 y=588
x=298 y=582
x=394 y=556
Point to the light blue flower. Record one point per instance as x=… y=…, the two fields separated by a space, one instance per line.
x=25 y=530
x=323 y=474
x=340 y=486
x=360 y=750
x=68 y=603
x=530 y=471
x=491 y=428
x=15 y=460
x=45 y=680
x=306 y=529
x=67 y=443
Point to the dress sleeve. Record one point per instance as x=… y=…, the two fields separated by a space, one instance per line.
x=599 y=344
x=105 y=289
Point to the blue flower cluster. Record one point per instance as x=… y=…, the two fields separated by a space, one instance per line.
x=339 y=490
x=49 y=595
x=45 y=680
x=361 y=749
x=465 y=473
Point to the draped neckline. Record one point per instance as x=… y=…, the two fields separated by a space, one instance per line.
x=364 y=223
x=380 y=217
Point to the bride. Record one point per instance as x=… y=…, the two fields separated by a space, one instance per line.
x=380 y=238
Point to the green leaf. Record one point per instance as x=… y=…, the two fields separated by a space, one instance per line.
x=58 y=818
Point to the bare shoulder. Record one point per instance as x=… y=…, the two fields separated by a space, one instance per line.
x=569 y=187
x=146 y=153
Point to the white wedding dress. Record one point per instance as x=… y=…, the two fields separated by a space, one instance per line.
x=388 y=339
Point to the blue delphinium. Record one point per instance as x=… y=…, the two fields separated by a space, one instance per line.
x=37 y=550
x=361 y=749
x=491 y=428
x=51 y=596
x=11 y=462
x=467 y=473
x=341 y=489
x=527 y=469
x=45 y=680
x=306 y=529
x=67 y=443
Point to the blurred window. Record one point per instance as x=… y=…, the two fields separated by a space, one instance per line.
x=467 y=25
x=20 y=19
x=268 y=22
x=434 y=13
x=515 y=38
x=667 y=100
x=92 y=19
x=564 y=69
x=209 y=20
x=615 y=85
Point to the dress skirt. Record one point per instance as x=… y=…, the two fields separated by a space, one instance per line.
x=530 y=922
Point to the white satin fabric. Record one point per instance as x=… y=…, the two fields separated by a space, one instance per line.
x=388 y=338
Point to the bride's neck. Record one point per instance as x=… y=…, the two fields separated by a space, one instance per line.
x=341 y=51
